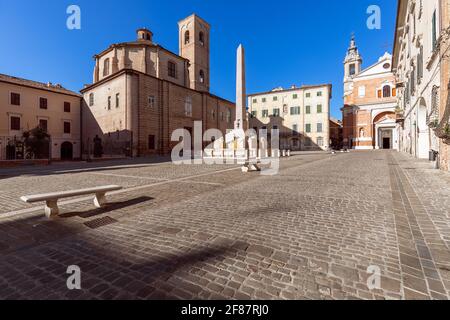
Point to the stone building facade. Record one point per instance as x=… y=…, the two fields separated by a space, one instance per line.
x=369 y=103
x=416 y=65
x=25 y=105
x=301 y=114
x=142 y=92
x=443 y=128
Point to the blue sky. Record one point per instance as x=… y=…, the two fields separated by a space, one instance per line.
x=287 y=42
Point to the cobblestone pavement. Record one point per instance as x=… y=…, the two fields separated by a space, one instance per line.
x=206 y=232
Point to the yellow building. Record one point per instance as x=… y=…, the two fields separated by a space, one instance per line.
x=26 y=104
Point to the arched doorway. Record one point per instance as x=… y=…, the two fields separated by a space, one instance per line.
x=423 y=132
x=66 y=151
x=384 y=128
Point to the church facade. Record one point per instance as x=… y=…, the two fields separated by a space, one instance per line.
x=142 y=92
x=369 y=120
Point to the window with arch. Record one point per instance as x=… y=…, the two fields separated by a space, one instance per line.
x=386 y=91
x=186 y=37
x=188 y=107
x=352 y=69
x=201 y=37
x=202 y=76
x=106 y=67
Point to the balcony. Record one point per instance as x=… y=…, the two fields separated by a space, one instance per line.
x=399 y=115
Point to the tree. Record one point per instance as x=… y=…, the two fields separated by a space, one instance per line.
x=37 y=143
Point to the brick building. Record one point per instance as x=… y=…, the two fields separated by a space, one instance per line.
x=336 y=134
x=369 y=103
x=443 y=131
x=142 y=92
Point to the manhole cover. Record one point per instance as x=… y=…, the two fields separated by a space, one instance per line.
x=100 y=222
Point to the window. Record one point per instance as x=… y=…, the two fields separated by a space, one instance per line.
x=254 y=114
x=91 y=99
x=202 y=76
x=308 y=109
x=320 y=141
x=308 y=128
x=275 y=98
x=186 y=37
x=295 y=110
x=151 y=142
x=319 y=108
x=420 y=65
x=117 y=100
x=172 y=69
x=15 y=99
x=276 y=112
x=264 y=100
x=295 y=96
x=319 y=127
x=188 y=107
x=15 y=123
x=319 y=94
x=43 y=103
x=43 y=124
x=109 y=103
x=66 y=106
x=228 y=115
x=106 y=67
x=255 y=100
x=213 y=114
x=308 y=95
x=265 y=113
x=201 y=37
x=352 y=69
x=151 y=101
x=295 y=129
x=386 y=91
x=66 y=127
x=362 y=91
x=434 y=30
x=407 y=92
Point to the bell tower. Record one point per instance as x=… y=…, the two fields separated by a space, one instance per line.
x=194 y=45
x=352 y=66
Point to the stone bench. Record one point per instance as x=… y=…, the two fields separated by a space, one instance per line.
x=51 y=199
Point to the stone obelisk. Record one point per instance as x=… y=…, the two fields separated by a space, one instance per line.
x=241 y=98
